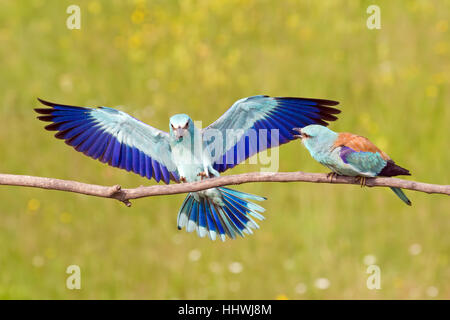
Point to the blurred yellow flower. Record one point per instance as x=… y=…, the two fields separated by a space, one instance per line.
x=203 y=50
x=431 y=91
x=94 y=7
x=305 y=33
x=409 y=72
x=186 y=5
x=421 y=7
x=65 y=217
x=182 y=56
x=135 y=41
x=239 y=23
x=33 y=205
x=441 y=26
x=136 y=55
x=441 y=48
x=387 y=79
x=138 y=16
x=398 y=283
x=439 y=78
x=293 y=21
x=50 y=253
x=282 y=297
x=5 y=34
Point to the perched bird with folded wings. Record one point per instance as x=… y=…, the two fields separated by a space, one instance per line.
x=348 y=154
x=188 y=154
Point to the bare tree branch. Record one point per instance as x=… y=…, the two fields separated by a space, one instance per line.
x=124 y=195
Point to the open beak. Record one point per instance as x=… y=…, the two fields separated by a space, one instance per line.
x=300 y=135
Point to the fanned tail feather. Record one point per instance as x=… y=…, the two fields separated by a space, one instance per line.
x=235 y=217
x=399 y=192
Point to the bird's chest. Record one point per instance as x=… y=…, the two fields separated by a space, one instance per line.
x=188 y=163
x=324 y=157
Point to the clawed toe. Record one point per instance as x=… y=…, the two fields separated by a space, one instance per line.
x=362 y=181
x=331 y=176
x=202 y=175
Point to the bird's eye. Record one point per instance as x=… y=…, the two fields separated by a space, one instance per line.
x=305 y=135
x=186 y=125
x=172 y=126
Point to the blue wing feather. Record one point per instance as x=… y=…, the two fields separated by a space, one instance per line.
x=264 y=113
x=113 y=137
x=365 y=162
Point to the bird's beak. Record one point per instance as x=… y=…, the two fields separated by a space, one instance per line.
x=300 y=136
x=179 y=132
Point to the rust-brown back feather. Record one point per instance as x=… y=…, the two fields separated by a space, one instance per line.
x=358 y=143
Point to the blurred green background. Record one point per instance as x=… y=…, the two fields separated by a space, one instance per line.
x=158 y=58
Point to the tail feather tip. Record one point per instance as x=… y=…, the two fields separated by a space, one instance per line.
x=234 y=217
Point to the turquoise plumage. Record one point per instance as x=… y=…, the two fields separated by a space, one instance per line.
x=188 y=154
x=350 y=155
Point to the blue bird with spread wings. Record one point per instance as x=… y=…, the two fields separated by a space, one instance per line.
x=187 y=153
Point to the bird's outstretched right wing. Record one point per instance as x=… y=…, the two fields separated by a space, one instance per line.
x=114 y=137
x=246 y=127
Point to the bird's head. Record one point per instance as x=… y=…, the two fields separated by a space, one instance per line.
x=316 y=136
x=181 y=125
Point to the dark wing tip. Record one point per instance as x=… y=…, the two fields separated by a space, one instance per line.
x=46 y=118
x=324 y=105
x=321 y=122
x=323 y=102
x=43 y=111
x=53 y=126
x=329 y=110
x=54 y=104
x=327 y=116
x=47 y=103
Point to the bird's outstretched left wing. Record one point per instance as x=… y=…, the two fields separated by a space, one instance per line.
x=246 y=127
x=114 y=137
